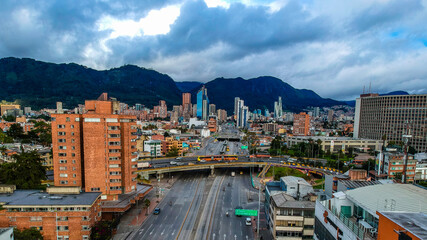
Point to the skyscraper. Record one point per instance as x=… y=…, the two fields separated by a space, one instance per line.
x=202 y=103
x=186 y=106
x=392 y=116
x=212 y=109
x=278 y=109
x=236 y=106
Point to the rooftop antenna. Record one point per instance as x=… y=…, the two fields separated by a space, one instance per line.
x=370 y=87
x=363 y=89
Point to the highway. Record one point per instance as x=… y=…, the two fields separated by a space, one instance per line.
x=199 y=206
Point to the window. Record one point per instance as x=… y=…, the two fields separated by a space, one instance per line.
x=67 y=119
x=116 y=188
x=114 y=135
x=62 y=219
x=63 y=147
x=113 y=128
x=53 y=119
x=38 y=218
x=61 y=140
x=114 y=150
x=92 y=120
x=63 y=182
x=113 y=158
x=114 y=165
x=61 y=133
x=62 y=161
x=77 y=119
x=85 y=218
x=115 y=180
x=73 y=154
x=72 y=126
x=74 y=161
x=114 y=173
x=72 y=140
x=63 y=175
x=73 y=148
x=62 y=168
x=114 y=143
x=95 y=189
x=72 y=133
x=74 y=175
x=61 y=126
x=62 y=154
x=62 y=228
x=85 y=227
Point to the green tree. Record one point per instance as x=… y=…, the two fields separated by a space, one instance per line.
x=5 y=138
x=15 y=131
x=147 y=204
x=102 y=230
x=173 y=152
x=166 y=134
x=26 y=173
x=28 y=233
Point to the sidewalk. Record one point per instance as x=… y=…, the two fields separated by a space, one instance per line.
x=132 y=220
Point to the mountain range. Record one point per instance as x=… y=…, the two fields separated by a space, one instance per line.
x=41 y=84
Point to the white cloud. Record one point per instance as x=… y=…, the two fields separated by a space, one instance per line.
x=155 y=23
x=217 y=3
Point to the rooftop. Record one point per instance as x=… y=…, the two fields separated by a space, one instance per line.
x=283 y=200
x=415 y=223
x=390 y=197
x=294 y=180
x=38 y=198
x=352 y=184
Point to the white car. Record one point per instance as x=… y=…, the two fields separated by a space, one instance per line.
x=248 y=221
x=173 y=163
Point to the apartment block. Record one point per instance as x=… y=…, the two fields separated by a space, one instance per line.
x=392 y=116
x=301 y=124
x=95 y=150
x=394 y=164
x=59 y=213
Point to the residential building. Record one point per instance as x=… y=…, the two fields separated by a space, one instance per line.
x=170 y=143
x=269 y=127
x=392 y=116
x=213 y=124
x=163 y=109
x=354 y=214
x=289 y=207
x=154 y=147
x=222 y=115
x=212 y=109
x=421 y=171
x=236 y=107
x=402 y=225
x=301 y=124
x=186 y=106
x=95 y=150
x=330 y=115
x=394 y=165
x=5 y=107
x=59 y=213
x=354 y=178
x=59 y=109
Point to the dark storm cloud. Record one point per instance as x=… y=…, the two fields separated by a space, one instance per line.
x=330 y=46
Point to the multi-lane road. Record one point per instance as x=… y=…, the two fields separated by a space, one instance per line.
x=198 y=209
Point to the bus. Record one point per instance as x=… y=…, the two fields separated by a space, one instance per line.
x=217 y=158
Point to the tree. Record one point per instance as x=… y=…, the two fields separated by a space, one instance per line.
x=9 y=118
x=5 y=138
x=28 y=233
x=173 y=152
x=147 y=204
x=166 y=134
x=26 y=173
x=15 y=131
x=102 y=230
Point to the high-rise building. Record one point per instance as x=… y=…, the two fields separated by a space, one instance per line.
x=222 y=115
x=392 y=116
x=330 y=115
x=301 y=124
x=59 y=107
x=95 y=150
x=239 y=113
x=236 y=107
x=278 y=109
x=194 y=110
x=212 y=109
x=316 y=112
x=138 y=107
x=186 y=105
x=163 y=109
x=202 y=103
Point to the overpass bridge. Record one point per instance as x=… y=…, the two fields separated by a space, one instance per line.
x=229 y=137
x=145 y=173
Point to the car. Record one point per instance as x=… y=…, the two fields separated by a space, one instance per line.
x=202 y=160
x=180 y=164
x=248 y=222
x=173 y=163
x=178 y=158
x=156 y=211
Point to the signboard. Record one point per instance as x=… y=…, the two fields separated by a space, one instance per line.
x=246 y=212
x=184 y=145
x=244 y=147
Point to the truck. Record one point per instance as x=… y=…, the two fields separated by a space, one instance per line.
x=233 y=174
x=143 y=165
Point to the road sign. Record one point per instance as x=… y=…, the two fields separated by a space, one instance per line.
x=244 y=147
x=246 y=212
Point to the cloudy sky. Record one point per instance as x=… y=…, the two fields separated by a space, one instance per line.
x=333 y=47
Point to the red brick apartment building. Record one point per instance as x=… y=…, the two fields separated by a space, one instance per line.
x=60 y=213
x=97 y=151
x=301 y=124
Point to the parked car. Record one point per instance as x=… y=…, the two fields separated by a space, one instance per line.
x=156 y=211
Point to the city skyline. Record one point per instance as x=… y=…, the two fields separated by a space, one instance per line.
x=344 y=46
